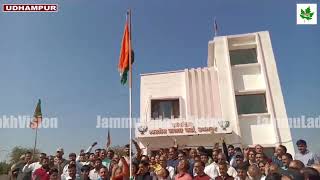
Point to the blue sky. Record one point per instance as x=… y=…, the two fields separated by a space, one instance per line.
x=69 y=60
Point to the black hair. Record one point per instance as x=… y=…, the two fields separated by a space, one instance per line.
x=71 y=166
x=174 y=148
x=273 y=176
x=310 y=173
x=201 y=163
x=167 y=173
x=144 y=163
x=203 y=154
x=238 y=149
x=283 y=147
x=103 y=167
x=53 y=170
x=301 y=142
x=110 y=150
x=223 y=164
x=98 y=159
x=242 y=167
x=201 y=149
x=183 y=153
x=85 y=168
x=231 y=146
x=288 y=155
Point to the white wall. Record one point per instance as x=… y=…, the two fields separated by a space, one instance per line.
x=247 y=78
x=274 y=87
x=226 y=89
x=262 y=77
x=161 y=85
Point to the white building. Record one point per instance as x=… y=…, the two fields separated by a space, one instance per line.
x=237 y=97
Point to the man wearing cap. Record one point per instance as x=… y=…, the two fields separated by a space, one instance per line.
x=59 y=161
x=304 y=155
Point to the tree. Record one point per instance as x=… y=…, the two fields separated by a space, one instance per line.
x=15 y=155
x=17 y=152
x=4 y=168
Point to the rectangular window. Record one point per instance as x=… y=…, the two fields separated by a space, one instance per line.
x=165 y=109
x=252 y=103
x=243 y=56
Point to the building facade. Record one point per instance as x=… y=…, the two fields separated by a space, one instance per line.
x=237 y=97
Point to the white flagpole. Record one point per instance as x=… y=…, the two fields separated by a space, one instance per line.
x=130 y=97
x=35 y=141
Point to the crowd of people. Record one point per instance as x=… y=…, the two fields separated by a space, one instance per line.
x=219 y=163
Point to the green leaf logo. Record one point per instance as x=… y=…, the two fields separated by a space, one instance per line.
x=306 y=14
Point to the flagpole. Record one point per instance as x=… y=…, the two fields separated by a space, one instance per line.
x=35 y=142
x=130 y=97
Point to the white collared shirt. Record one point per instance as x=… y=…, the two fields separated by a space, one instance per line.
x=94 y=174
x=171 y=171
x=31 y=167
x=68 y=177
x=308 y=158
x=211 y=170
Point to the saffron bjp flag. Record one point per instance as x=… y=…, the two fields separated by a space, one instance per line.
x=125 y=53
x=37 y=117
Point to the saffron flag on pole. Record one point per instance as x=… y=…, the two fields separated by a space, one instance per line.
x=123 y=65
x=37 y=117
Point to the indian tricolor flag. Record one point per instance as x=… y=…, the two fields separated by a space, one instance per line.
x=125 y=53
x=37 y=117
